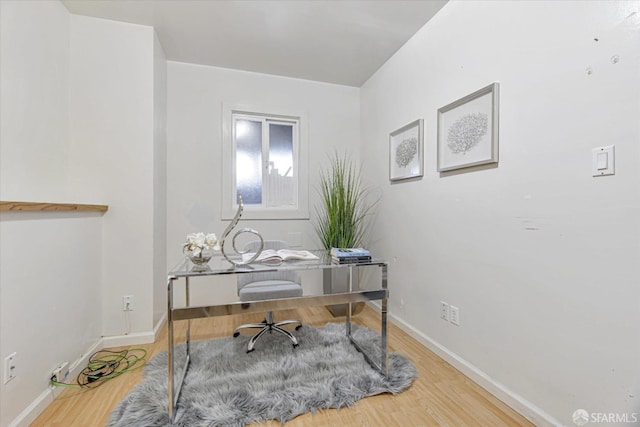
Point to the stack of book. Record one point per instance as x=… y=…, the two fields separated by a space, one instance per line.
x=349 y=255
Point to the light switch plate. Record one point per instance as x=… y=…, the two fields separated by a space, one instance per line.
x=603 y=161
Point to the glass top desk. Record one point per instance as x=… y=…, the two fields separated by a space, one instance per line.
x=218 y=267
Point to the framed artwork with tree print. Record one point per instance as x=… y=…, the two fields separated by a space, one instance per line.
x=468 y=130
x=405 y=151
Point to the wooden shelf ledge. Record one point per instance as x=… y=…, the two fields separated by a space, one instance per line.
x=52 y=207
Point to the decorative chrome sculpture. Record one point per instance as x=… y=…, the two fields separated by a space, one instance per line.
x=227 y=231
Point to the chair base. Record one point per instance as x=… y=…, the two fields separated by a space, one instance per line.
x=268 y=325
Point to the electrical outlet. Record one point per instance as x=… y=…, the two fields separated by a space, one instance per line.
x=61 y=372
x=444 y=311
x=127 y=303
x=455 y=315
x=10 y=367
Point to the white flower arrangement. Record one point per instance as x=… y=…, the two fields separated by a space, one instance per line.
x=198 y=242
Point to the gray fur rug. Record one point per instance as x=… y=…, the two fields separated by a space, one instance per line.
x=225 y=386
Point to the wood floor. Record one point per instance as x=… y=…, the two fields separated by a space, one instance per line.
x=440 y=396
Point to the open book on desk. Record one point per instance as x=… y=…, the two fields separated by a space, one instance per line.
x=276 y=256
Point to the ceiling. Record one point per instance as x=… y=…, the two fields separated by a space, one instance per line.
x=334 y=41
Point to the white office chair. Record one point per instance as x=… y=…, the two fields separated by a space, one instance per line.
x=268 y=285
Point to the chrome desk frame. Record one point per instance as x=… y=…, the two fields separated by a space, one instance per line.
x=188 y=312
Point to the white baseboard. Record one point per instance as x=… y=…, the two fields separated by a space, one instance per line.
x=128 y=340
x=45 y=398
x=161 y=323
x=32 y=411
x=516 y=402
x=135 y=338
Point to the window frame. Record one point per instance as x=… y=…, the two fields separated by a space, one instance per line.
x=229 y=204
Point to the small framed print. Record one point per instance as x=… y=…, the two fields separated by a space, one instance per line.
x=405 y=151
x=468 y=130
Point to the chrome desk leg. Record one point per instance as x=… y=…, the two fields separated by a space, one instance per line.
x=349 y=313
x=170 y=346
x=188 y=302
x=173 y=388
x=384 y=361
x=382 y=364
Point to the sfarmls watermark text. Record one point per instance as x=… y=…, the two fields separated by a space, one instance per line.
x=582 y=417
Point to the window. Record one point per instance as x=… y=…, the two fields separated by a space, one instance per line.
x=266 y=166
x=264 y=149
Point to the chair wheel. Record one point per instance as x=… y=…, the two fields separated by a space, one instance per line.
x=295 y=345
x=298 y=327
x=249 y=351
x=235 y=334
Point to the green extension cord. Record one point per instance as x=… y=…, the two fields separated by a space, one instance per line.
x=104 y=365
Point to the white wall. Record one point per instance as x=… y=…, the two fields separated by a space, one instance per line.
x=159 y=181
x=541 y=258
x=195 y=97
x=34 y=133
x=50 y=271
x=112 y=134
x=83 y=120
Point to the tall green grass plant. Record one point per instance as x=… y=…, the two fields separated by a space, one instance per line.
x=346 y=208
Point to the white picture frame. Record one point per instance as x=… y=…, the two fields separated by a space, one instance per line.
x=468 y=130
x=406 y=151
